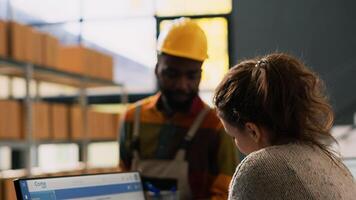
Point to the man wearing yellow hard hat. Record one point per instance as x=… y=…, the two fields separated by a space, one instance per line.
x=173 y=134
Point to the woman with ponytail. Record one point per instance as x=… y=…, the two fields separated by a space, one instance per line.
x=275 y=109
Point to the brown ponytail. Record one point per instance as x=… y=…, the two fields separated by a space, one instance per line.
x=279 y=93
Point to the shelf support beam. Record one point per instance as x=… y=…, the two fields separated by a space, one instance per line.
x=30 y=150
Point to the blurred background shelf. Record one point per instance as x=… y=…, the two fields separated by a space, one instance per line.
x=22 y=144
x=15 y=68
x=38 y=120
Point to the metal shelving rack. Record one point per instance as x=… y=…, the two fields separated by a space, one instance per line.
x=29 y=72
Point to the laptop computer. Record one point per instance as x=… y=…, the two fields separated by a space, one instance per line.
x=123 y=186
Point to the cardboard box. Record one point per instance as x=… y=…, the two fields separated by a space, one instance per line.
x=29 y=44
x=45 y=49
x=93 y=122
x=50 y=50
x=103 y=66
x=11 y=121
x=96 y=125
x=74 y=59
x=3 y=39
x=8 y=189
x=38 y=48
x=76 y=122
x=41 y=121
x=111 y=126
x=54 y=57
x=91 y=61
x=59 y=121
x=116 y=121
x=85 y=61
x=108 y=67
x=16 y=47
x=102 y=126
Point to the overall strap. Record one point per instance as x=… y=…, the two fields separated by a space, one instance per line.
x=136 y=130
x=191 y=132
x=136 y=122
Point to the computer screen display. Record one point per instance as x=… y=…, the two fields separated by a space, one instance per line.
x=123 y=186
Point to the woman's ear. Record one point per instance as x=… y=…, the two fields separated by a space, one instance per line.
x=258 y=134
x=254 y=132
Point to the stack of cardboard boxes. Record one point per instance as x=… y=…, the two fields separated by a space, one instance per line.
x=24 y=43
x=54 y=121
x=100 y=125
x=11 y=120
x=51 y=121
x=59 y=121
x=85 y=61
x=16 y=41
x=50 y=50
x=76 y=128
x=41 y=123
x=3 y=39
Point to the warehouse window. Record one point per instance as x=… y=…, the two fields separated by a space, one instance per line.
x=212 y=16
x=110 y=25
x=114 y=9
x=51 y=11
x=217 y=64
x=3 y=9
x=189 y=7
x=118 y=26
x=125 y=38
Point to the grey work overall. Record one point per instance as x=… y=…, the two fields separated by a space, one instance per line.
x=173 y=169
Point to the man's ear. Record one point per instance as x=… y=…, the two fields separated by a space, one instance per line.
x=253 y=131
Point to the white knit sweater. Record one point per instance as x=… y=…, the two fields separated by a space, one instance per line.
x=292 y=171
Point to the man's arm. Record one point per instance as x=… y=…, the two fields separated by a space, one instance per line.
x=227 y=161
x=125 y=146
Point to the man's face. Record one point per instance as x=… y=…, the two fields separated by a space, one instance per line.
x=178 y=79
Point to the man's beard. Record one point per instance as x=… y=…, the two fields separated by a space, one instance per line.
x=176 y=104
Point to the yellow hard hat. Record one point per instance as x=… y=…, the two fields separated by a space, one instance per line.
x=184 y=38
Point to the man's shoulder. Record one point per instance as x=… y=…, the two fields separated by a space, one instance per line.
x=144 y=104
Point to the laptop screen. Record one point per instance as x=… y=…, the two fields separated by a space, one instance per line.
x=123 y=186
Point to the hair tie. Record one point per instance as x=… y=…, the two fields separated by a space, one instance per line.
x=261 y=63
